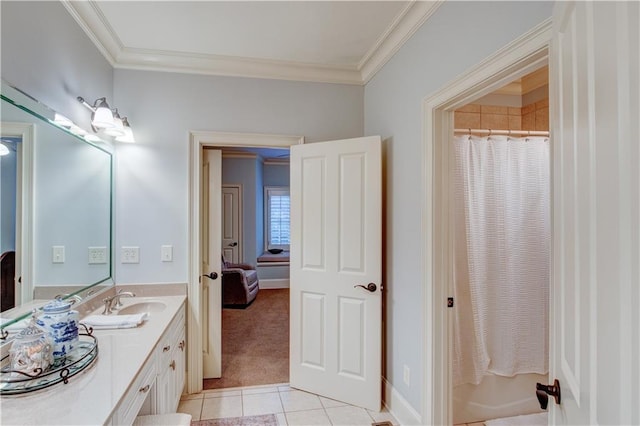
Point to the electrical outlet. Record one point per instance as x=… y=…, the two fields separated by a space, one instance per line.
x=130 y=255
x=407 y=376
x=97 y=255
x=57 y=254
x=166 y=253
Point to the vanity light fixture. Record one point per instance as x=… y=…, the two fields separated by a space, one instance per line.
x=118 y=128
x=3 y=150
x=128 y=133
x=108 y=120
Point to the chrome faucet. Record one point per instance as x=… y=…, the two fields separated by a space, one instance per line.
x=113 y=302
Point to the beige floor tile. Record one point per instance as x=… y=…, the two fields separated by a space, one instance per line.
x=307 y=418
x=384 y=416
x=261 y=403
x=253 y=391
x=222 y=392
x=192 y=407
x=349 y=415
x=476 y=424
x=296 y=400
x=282 y=419
x=330 y=403
x=192 y=396
x=218 y=408
x=284 y=388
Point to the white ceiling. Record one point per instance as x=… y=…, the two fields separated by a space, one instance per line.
x=328 y=41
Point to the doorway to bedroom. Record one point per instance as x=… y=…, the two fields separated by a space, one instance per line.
x=255 y=243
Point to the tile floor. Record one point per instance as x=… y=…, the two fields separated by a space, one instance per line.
x=470 y=424
x=291 y=406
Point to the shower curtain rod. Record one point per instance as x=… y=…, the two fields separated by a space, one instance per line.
x=503 y=132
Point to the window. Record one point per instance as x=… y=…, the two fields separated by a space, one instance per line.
x=277 y=229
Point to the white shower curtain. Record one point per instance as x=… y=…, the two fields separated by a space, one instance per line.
x=502 y=254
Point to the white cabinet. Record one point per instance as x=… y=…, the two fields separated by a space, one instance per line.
x=143 y=387
x=158 y=386
x=171 y=360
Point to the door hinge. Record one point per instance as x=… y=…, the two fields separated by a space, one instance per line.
x=449 y=302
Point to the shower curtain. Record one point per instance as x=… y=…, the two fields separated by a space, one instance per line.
x=502 y=255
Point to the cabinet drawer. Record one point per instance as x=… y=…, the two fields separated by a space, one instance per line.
x=142 y=387
x=170 y=340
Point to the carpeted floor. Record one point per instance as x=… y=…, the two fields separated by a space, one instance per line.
x=255 y=342
x=264 y=420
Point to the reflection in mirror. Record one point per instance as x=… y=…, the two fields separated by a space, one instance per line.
x=55 y=201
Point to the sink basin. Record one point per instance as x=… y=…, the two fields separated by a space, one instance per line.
x=138 y=308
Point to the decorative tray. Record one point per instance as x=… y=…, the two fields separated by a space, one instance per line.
x=16 y=382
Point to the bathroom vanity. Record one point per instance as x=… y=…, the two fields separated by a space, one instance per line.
x=138 y=371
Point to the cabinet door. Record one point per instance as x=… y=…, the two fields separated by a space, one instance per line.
x=164 y=390
x=181 y=366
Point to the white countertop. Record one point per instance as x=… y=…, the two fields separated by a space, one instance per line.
x=91 y=397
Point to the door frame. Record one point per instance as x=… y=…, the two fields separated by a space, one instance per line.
x=198 y=140
x=520 y=57
x=24 y=207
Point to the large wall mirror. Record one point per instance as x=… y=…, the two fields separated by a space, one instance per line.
x=56 y=206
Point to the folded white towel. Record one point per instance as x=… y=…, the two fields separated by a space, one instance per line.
x=103 y=322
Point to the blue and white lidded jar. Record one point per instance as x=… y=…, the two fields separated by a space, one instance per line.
x=61 y=323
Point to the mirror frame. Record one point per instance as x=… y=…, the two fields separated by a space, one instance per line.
x=25 y=214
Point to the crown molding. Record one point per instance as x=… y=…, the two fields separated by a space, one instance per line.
x=400 y=31
x=96 y=27
x=93 y=22
x=194 y=63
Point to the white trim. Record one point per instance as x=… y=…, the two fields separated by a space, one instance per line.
x=259 y=140
x=24 y=208
x=399 y=408
x=95 y=26
x=93 y=22
x=157 y=60
x=197 y=141
x=274 y=283
x=519 y=58
x=408 y=23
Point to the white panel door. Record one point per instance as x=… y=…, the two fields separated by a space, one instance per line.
x=595 y=327
x=232 y=223
x=335 y=342
x=211 y=263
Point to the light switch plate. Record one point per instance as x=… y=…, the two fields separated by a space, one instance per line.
x=57 y=254
x=166 y=253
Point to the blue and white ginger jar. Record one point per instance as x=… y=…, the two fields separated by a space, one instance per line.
x=61 y=323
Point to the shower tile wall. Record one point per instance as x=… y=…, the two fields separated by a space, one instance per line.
x=534 y=116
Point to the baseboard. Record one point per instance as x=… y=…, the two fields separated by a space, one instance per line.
x=274 y=283
x=399 y=407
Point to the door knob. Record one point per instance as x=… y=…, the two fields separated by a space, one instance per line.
x=543 y=392
x=370 y=287
x=212 y=275
x=233 y=244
